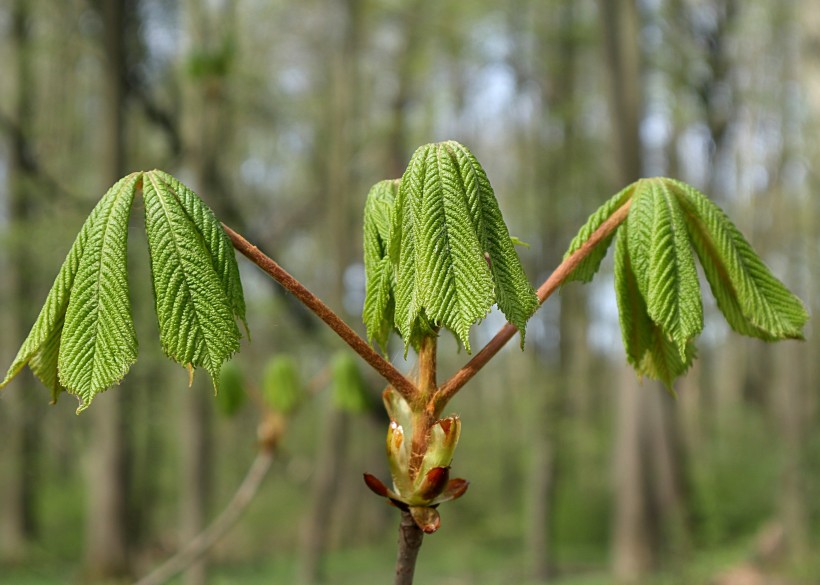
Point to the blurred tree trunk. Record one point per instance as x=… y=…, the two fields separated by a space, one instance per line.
x=108 y=533
x=18 y=525
x=556 y=31
x=649 y=493
x=208 y=136
x=338 y=185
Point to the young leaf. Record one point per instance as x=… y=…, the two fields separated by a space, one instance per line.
x=349 y=393
x=41 y=348
x=216 y=241
x=380 y=277
x=281 y=387
x=663 y=263
x=648 y=349
x=231 y=395
x=590 y=265
x=754 y=302
x=453 y=254
x=99 y=342
x=195 y=307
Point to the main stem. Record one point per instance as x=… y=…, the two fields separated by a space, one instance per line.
x=424 y=416
x=410 y=538
x=402 y=385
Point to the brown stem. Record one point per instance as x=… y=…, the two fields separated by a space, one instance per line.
x=410 y=539
x=454 y=384
x=423 y=413
x=402 y=385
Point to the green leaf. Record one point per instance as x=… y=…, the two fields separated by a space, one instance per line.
x=195 y=303
x=281 y=387
x=590 y=265
x=41 y=348
x=648 y=349
x=349 y=392
x=754 y=302
x=663 y=263
x=99 y=342
x=216 y=241
x=451 y=249
x=379 y=305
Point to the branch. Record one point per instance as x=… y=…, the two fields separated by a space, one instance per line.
x=197 y=547
x=559 y=275
x=410 y=539
x=402 y=385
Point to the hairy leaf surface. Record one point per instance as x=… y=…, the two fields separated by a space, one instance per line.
x=664 y=267
x=754 y=302
x=41 y=348
x=648 y=349
x=453 y=254
x=195 y=307
x=99 y=342
x=379 y=304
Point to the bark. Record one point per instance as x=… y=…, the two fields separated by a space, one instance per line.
x=107 y=534
x=18 y=525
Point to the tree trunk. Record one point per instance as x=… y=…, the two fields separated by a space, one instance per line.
x=649 y=497
x=18 y=522
x=340 y=153
x=107 y=534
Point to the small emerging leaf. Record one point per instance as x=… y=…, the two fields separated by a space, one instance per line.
x=231 y=394
x=349 y=392
x=282 y=387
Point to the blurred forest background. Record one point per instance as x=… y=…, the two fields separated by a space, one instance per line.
x=282 y=115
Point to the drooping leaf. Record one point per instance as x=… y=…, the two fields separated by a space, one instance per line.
x=194 y=306
x=282 y=387
x=663 y=264
x=590 y=265
x=99 y=342
x=379 y=305
x=349 y=392
x=216 y=241
x=648 y=349
x=453 y=254
x=754 y=302
x=41 y=348
x=514 y=294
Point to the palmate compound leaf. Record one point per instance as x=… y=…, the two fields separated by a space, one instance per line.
x=656 y=283
x=380 y=276
x=451 y=250
x=195 y=306
x=84 y=341
x=100 y=333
